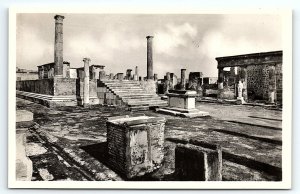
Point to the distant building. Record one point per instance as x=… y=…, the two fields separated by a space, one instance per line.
x=24 y=74
x=46 y=71
x=94 y=71
x=210 y=80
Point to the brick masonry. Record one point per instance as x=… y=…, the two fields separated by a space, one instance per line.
x=135 y=147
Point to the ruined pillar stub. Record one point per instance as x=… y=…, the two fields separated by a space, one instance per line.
x=86 y=84
x=58 y=46
x=182 y=84
x=128 y=74
x=111 y=76
x=137 y=71
x=120 y=76
x=149 y=57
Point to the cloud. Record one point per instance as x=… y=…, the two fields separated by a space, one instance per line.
x=173 y=36
x=32 y=48
x=102 y=47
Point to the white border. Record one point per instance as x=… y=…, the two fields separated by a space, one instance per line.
x=287 y=108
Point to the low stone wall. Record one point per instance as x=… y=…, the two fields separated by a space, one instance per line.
x=42 y=86
x=64 y=86
x=55 y=86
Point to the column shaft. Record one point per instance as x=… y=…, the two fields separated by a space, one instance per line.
x=58 y=46
x=86 y=84
x=149 y=57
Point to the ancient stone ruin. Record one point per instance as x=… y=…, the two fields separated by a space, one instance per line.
x=251 y=77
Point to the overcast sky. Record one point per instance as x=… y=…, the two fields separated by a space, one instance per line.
x=119 y=41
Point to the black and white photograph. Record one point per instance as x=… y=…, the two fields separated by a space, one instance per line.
x=150 y=100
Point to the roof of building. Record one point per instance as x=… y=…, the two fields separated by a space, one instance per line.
x=251 y=55
x=272 y=57
x=19 y=70
x=65 y=62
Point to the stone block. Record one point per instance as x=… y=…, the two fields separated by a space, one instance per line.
x=24 y=167
x=197 y=163
x=24 y=116
x=135 y=144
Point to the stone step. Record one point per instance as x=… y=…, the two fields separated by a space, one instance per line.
x=142 y=99
x=138 y=95
x=125 y=87
x=137 y=108
x=150 y=103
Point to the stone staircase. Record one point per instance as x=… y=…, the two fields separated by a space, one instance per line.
x=133 y=95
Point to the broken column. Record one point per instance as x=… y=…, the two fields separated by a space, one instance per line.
x=149 y=58
x=120 y=76
x=128 y=74
x=135 y=144
x=182 y=83
x=86 y=85
x=198 y=163
x=58 y=46
x=136 y=74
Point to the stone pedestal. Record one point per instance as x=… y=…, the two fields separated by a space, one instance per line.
x=182 y=103
x=197 y=163
x=135 y=144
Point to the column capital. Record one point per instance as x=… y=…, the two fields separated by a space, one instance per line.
x=59 y=18
x=86 y=60
x=149 y=37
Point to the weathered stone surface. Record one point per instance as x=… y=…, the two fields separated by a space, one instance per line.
x=135 y=144
x=198 y=163
x=89 y=126
x=149 y=57
x=23 y=163
x=23 y=116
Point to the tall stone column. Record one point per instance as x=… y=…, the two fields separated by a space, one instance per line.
x=149 y=57
x=58 y=46
x=182 y=83
x=86 y=84
x=220 y=78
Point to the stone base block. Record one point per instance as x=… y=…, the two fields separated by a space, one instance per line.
x=188 y=113
x=197 y=163
x=24 y=116
x=23 y=163
x=48 y=100
x=93 y=100
x=240 y=100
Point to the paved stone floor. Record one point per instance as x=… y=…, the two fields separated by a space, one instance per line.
x=69 y=143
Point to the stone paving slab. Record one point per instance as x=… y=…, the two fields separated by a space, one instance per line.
x=78 y=131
